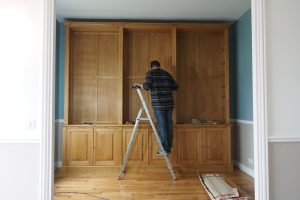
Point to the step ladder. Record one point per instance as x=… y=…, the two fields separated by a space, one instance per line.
x=138 y=119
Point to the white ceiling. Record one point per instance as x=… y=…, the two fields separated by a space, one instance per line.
x=152 y=9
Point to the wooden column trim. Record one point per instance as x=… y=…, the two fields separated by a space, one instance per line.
x=226 y=60
x=121 y=73
x=174 y=69
x=67 y=66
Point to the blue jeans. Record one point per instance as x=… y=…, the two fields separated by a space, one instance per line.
x=165 y=127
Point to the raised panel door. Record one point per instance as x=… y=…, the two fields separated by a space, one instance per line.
x=216 y=144
x=189 y=145
x=79 y=146
x=108 y=146
x=139 y=150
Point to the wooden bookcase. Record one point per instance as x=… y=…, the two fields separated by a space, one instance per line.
x=103 y=60
x=201 y=72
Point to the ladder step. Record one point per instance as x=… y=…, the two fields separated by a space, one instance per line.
x=143 y=119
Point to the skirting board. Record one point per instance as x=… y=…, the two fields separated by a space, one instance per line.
x=244 y=168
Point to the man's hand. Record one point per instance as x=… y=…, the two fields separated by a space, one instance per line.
x=136 y=86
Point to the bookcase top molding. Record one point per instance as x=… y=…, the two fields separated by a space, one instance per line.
x=115 y=26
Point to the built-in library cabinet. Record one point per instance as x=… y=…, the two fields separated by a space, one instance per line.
x=103 y=60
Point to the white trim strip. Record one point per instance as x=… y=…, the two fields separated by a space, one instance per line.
x=244 y=168
x=18 y=141
x=60 y=19
x=241 y=121
x=284 y=139
x=47 y=112
x=260 y=114
x=59 y=121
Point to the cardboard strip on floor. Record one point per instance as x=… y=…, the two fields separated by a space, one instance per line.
x=217 y=188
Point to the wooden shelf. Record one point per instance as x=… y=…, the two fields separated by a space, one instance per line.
x=103 y=60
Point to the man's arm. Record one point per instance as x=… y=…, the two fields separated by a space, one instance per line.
x=148 y=82
x=174 y=85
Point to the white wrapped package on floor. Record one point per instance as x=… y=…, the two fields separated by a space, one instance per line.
x=217 y=188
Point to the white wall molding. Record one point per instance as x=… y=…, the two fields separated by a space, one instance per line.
x=260 y=126
x=47 y=113
x=241 y=121
x=23 y=141
x=284 y=138
x=244 y=168
x=60 y=19
x=59 y=121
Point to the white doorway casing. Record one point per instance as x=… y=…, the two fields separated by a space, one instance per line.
x=48 y=111
x=259 y=102
x=260 y=127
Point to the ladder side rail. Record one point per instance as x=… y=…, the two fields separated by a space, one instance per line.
x=169 y=165
x=129 y=147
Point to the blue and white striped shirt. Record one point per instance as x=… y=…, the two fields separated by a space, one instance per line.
x=161 y=84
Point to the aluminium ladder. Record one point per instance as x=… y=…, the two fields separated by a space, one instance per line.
x=138 y=119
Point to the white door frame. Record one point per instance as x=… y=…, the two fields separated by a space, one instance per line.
x=261 y=168
x=260 y=126
x=48 y=102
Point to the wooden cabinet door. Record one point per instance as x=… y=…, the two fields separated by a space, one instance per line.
x=139 y=150
x=154 y=147
x=189 y=145
x=79 y=146
x=108 y=146
x=216 y=146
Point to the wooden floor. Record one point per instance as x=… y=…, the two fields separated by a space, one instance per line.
x=140 y=183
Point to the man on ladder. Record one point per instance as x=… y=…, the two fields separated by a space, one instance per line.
x=161 y=84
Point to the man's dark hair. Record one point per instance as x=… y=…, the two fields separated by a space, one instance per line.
x=154 y=63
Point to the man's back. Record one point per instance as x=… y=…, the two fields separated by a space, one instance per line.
x=161 y=85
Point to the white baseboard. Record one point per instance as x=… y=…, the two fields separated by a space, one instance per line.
x=58 y=164
x=244 y=168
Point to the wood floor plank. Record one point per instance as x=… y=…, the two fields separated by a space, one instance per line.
x=140 y=184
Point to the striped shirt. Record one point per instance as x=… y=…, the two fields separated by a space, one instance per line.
x=160 y=83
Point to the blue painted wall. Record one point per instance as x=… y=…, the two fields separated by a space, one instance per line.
x=59 y=78
x=241 y=102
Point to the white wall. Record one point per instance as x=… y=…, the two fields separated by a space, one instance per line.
x=284 y=170
x=21 y=61
x=243 y=153
x=283 y=85
x=21 y=39
x=283 y=67
x=19 y=171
